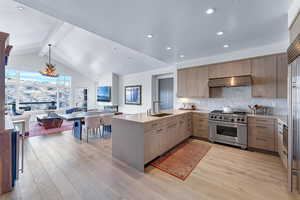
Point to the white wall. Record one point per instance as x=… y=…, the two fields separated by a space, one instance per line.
x=112 y=80
x=35 y=63
x=145 y=80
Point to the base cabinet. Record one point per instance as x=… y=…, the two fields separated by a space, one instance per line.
x=200 y=125
x=161 y=136
x=261 y=133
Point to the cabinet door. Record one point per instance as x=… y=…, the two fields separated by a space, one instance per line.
x=182 y=77
x=172 y=135
x=202 y=82
x=261 y=137
x=235 y=68
x=263 y=72
x=192 y=82
x=282 y=74
x=152 y=145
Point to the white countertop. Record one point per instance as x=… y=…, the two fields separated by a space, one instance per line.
x=144 y=118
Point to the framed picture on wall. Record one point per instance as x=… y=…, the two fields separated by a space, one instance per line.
x=133 y=95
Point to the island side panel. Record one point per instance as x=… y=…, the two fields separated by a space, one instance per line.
x=128 y=142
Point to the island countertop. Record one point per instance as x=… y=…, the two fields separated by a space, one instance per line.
x=144 y=118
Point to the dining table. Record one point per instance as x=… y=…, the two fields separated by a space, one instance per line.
x=78 y=120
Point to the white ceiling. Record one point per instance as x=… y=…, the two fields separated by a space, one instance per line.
x=79 y=49
x=183 y=25
x=112 y=34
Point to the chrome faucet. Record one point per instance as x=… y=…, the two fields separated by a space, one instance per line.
x=154 y=106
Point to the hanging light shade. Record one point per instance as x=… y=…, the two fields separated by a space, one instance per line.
x=50 y=68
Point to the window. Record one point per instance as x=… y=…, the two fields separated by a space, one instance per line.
x=34 y=91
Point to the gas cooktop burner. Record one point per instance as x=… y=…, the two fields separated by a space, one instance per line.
x=234 y=117
x=234 y=113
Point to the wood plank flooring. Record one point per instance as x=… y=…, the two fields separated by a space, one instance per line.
x=61 y=167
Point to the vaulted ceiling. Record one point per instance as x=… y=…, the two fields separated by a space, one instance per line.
x=111 y=36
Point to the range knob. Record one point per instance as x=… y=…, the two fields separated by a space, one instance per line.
x=238 y=119
x=232 y=120
x=242 y=120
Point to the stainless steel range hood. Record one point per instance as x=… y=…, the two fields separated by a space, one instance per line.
x=234 y=81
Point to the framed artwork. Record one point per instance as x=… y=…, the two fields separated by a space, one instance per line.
x=133 y=95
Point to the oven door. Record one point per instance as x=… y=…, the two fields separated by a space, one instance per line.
x=230 y=133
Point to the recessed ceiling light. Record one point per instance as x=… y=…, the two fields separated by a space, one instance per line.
x=210 y=11
x=220 y=33
x=168 y=48
x=226 y=46
x=149 y=36
x=20 y=8
x=181 y=56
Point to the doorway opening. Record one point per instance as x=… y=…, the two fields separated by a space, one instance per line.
x=163 y=90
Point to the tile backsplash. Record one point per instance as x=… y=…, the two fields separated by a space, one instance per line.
x=238 y=98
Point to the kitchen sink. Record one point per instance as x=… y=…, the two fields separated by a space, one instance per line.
x=161 y=114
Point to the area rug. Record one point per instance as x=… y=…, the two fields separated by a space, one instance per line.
x=182 y=160
x=36 y=130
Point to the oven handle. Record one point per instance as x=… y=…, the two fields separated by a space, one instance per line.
x=228 y=124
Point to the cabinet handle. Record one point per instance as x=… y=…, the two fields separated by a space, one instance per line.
x=170 y=126
x=261 y=127
x=261 y=139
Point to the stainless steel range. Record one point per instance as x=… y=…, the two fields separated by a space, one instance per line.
x=228 y=128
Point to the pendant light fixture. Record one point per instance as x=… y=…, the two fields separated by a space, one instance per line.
x=50 y=68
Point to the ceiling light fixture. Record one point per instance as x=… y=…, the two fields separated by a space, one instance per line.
x=210 y=11
x=149 y=36
x=20 y=8
x=50 y=68
x=181 y=56
x=226 y=46
x=168 y=48
x=220 y=33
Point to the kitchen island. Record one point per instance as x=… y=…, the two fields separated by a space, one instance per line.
x=138 y=139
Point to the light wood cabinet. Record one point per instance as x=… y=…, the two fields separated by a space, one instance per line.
x=263 y=70
x=200 y=125
x=282 y=74
x=193 y=82
x=235 y=68
x=261 y=133
x=182 y=77
x=162 y=135
x=152 y=145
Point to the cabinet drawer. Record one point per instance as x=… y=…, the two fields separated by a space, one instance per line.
x=201 y=122
x=261 y=137
x=260 y=120
x=200 y=116
x=153 y=125
x=200 y=132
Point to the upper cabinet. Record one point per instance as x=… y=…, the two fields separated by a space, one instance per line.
x=236 y=68
x=182 y=76
x=264 y=76
x=282 y=74
x=269 y=76
x=193 y=82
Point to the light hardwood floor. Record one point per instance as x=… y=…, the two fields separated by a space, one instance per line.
x=60 y=167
